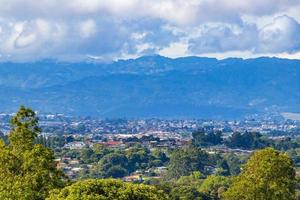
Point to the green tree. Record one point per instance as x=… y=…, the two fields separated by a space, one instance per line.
x=186 y=160
x=160 y=155
x=268 y=175
x=186 y=187
x=3 y=137
x=213 y=186
x=111 y=165
x=116 y=171
x=223 y=167
x=102 y=189
x=186 y=193
x=234 y=163
x=86 y=155
x=248 y=140
x=27 y=170
x=202 y=139
x=194 y=179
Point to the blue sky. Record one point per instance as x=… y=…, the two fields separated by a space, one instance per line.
x=111 y=29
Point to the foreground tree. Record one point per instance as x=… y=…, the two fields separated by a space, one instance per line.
x=268 y=175
x=103 y=189
x=27 y=170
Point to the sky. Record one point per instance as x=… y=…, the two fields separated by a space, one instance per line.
x=76 y=30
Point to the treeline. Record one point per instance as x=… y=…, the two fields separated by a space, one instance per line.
x=117 y=164
x=28 y=172
x=246 y=140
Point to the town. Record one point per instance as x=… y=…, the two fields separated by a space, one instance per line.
x=52 y=124
x=71 y=137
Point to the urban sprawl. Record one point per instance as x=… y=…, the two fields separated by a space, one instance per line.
x=73 y=134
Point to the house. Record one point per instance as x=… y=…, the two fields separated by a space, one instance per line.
x=75 y=145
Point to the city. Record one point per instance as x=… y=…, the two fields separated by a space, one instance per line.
x=75 y=134
x=150 y=100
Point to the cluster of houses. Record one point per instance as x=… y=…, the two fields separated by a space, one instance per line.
x=75 y=169
x=149 y=140
x=71 y=167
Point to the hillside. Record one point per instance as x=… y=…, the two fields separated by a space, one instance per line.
x=154 y=86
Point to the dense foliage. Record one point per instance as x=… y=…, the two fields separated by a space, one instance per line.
x=186 y=160
x=268 y=175
x=107 y=189
x=115 y=163
x=27 y=170
x=247 y=140
x=200 y=138
x=214 y=186
x=241 y=140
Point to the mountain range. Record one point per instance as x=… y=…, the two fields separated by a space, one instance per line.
x=154 y=86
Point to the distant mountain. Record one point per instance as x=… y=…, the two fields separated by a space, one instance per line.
x=154 y=86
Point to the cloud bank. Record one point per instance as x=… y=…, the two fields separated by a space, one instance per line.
x=81 y=29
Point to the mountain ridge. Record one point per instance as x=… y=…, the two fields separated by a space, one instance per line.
x=154 y=86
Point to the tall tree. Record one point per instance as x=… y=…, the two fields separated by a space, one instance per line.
x=268 y=175
x=27 y=170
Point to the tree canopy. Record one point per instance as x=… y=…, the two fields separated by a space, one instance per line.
x=248 y=140
x=187 y=160
x=268 y=175
x=27 y=170
x=202 y=139
x=213 y=186
x=102 y=189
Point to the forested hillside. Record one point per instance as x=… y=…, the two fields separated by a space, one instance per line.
x=154 y=86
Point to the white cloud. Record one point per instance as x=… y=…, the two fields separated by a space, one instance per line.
x=109 y=29
x=175 y=50
x=223 y=38
x=282 y=35
x=23 y=41
x=87 y=28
